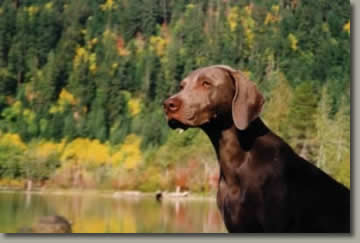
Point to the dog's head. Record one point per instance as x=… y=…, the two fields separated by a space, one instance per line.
x=214 y=92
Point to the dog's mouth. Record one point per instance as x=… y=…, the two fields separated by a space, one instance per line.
x=175 y=124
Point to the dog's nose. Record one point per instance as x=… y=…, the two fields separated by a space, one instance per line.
x=172 y=105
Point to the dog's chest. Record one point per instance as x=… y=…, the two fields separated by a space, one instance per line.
x=240 y=207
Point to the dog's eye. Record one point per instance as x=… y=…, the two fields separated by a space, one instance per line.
x=181 y=87
x=206 y=84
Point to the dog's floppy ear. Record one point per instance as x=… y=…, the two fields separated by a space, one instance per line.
x=247 y=102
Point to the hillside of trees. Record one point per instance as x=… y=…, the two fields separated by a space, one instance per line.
x=82 y=85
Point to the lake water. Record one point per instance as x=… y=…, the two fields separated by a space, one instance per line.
x=92 y=213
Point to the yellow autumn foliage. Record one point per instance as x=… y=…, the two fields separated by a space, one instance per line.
x=80 y=55
x=325 y=27
x=190 y=6
x=94 y=41
x=84 y=150
x=108 y=34
x=275 y=8
x=65 y=98
x=92 y=63
x=29 y=115
x=293 y=41
x=91 y=43
x=347 y=27
x=92 y=67
x=273 y=15
x=115 y=65
x=134 y=105
x=123 y=52
x=129 y=153
x=16 y=107
x=248 y=24
x=108 y=5
x=44 y=149
x=56 y=109
x=248 y=9
x=12 y=139
x=233 y=18
x=158 y=44
x=49 y=5
x=268 y=18
x=32 y=10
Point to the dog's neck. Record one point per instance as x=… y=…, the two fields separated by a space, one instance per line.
x=233 y=146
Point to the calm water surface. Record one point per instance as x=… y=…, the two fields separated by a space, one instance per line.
x=90 y=213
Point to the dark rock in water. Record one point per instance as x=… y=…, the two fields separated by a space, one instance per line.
x=158 y=196
x=49 y=224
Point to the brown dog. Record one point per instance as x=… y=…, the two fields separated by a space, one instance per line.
x=264 y=185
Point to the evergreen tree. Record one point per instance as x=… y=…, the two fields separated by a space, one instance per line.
x=7 y=27
x=301 y=119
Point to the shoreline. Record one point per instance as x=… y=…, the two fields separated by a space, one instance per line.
x=126 y=194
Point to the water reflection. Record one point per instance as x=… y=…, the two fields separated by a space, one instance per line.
x=90 y=213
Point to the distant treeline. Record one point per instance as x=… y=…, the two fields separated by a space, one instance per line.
x=90 y=76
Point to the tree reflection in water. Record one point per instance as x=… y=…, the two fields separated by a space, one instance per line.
x=90 y=213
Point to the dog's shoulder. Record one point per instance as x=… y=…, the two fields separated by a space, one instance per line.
x=272 y=150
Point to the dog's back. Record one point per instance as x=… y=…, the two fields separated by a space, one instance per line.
x=315 y=202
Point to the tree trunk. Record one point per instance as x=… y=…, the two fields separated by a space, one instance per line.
x=16 y=3
x=29 y=183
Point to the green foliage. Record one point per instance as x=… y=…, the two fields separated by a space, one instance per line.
x=7 y=82
x=39 y=169
x=333 y=144
x=10 y=162
x=301 y=117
